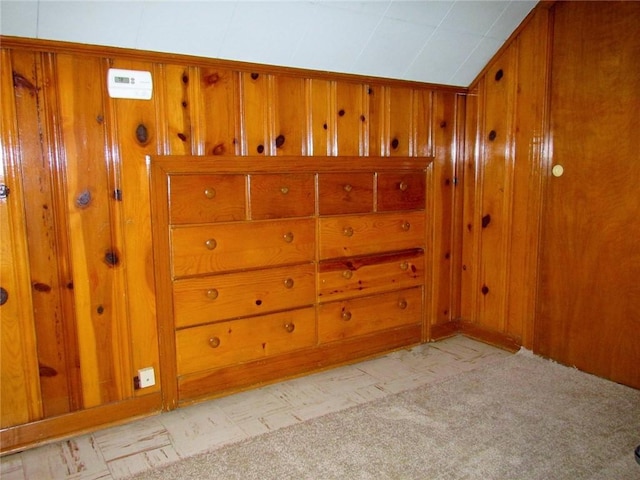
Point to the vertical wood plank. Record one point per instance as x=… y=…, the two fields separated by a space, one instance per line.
x=217 y=117
x=400 y=140
x=422 y=122
x=133 y=135
x=52 y=283
x=20 y=392
x=255 y=119
x=321 y=116
x=444 y=118
x=349 y=113
x=290 y=116
x=96 y=256
x=497 y=171
x=177 y=104
x=376 y=120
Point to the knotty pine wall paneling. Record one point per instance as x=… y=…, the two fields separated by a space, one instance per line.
x=80 y=236
x=20 y=392
x=502 y=185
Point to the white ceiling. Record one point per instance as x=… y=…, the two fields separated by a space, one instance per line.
x=444 y=42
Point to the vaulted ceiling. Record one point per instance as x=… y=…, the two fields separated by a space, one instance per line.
x=444 y=42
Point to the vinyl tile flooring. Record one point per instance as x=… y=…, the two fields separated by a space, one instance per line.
x=118 y=452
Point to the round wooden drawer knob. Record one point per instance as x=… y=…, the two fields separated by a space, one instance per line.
x=210 y=193
x=402 y=304
x=346 y=315
x=284 y=190
x=212 y=294
x=289 y=327
x=348 y=188
x=347 y=231
x=403 y=186
x=406 y=226
x=288 y=283
x=404 y=266
x=347 y=274
x=288 y=237
x=211 y=244
x=214 y=342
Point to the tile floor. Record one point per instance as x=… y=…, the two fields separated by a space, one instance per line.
x=117 y=452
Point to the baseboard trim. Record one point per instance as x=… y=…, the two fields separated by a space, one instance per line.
x=472 y=330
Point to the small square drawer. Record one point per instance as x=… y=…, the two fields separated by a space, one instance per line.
x=364 y=315
x=222 y=247
x=279 y=196
x=206 y=198
x=351 y=235
x=345 y=193
x=348 y=277
x=236 y=341
x=218 y=297
x=401 y=191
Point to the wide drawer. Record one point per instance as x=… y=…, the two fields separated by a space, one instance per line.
x=216 y=248
x=236 y=341
x=231 y=295
x=344 y=193
x=282 y=195
x=401 y=191
x=346 y=236
x=206 y=198
x=344 y=278
x=363 y=315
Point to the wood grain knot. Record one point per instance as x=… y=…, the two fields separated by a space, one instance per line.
x=499 y=75
x=142 y=134
x=341 y=112
x=218 y=149
x=111 y=258
x=279 y=141
x=19 y=81
x=41 y=287
x=182 y=137
x=486 y=220
x=255 y=76
x=260 y=148
x=443 y=124
x=212 y=78
x=185 y=78
x=83 y=199
x=492 y=135
x=485 y=289
x=395 y=143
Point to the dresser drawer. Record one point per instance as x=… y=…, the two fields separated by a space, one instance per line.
x=363 y=315
x=352 y=235
x=401 y=191
x=340 y=193
x=206 y=198
x=236 y=341
x=343 y=278
x=282 y=195
x=232 y=295
x=216 y=248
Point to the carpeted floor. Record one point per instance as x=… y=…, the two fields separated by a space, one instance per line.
x=522 y=417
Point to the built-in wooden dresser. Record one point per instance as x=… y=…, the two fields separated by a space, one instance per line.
x=271 y=267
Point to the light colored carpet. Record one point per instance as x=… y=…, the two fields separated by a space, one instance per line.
x=521 y=417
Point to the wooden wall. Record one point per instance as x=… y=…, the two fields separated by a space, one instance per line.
x=76 y=235
x=502 y=188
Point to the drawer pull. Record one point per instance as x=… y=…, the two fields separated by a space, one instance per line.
x=212 y=294
x=284 y=190
x=211 y=244
x=348 y=188
x=210 y=192
x=406 y=226
x=402 y=304
x=288 y=237
x=347 y=274
x=347 y=231
x=346 y=315
x=289 y=327
x=403 y=186
x=214 y=342
x=288 y=283
x=404 y=266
